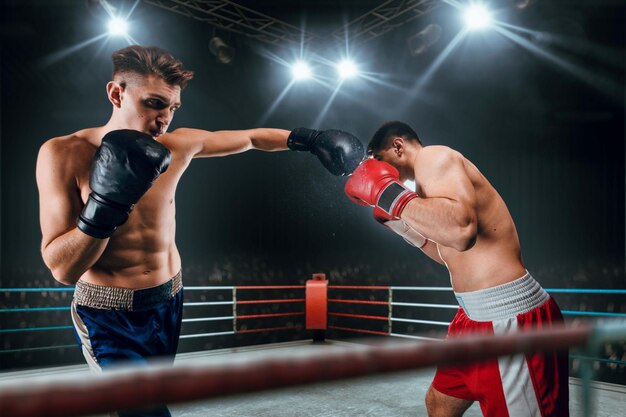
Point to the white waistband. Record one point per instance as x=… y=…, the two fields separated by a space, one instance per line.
x=504 y=301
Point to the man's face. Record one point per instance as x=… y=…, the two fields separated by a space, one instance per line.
x=149 y=105
x=387 y=155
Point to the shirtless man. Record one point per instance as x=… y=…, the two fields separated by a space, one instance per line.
x=458 y=219
x=107 y=208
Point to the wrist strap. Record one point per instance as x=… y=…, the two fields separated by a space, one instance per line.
x=393 y=199
x=301 y=139
x=410 y=235
x=100 y=217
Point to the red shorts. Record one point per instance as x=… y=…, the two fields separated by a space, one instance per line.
x=534 y=385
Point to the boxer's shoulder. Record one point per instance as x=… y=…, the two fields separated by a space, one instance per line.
x=437 y=156
x=181 y=141
x=73 y=151
x=438 y=152
x=82 y=141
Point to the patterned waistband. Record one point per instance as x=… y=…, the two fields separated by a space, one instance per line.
x=504 y=301
x=99 y=296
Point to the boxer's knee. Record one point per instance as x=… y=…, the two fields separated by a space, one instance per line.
x=430 y=402
x=441 y=405
x=434 y=405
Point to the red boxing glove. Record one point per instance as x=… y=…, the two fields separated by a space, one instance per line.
x=377 y=183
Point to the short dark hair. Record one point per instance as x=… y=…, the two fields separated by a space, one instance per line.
x=150 y=60
x=390 y=130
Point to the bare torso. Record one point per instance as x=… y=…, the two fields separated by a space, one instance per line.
x=495 y=258
x=142 y=252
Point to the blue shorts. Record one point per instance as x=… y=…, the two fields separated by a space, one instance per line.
x=114 y=326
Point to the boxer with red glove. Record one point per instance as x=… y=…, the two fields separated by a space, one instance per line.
x=377 y=183
x=473 y=235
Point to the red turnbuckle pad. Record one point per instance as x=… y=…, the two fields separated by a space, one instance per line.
x=317 y=302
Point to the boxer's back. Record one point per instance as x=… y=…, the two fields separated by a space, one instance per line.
x=495 y=258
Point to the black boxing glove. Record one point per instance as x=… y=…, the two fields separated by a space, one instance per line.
x=340 y=152
x=122 y=170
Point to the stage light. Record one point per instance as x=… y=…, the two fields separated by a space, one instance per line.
x=522 y=4
x=347 y=69
x=477 y=17
x=422 y=40
x=117 y=27
x=300 y=70
x=224 y=54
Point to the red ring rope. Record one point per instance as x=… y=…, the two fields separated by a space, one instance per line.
x=258 y=316
x=357 y=287
x=268 y=287
x=350 y=329
x=288 y=300
x=336 y=300
x=360 y=316
x=269 y=329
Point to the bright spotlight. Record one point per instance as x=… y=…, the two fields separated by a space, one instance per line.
x=347 y=69
x=477 y=17
x=300 y=70
x=117 y=27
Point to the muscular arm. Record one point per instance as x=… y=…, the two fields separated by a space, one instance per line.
x=447 y=214
x=71 y=254
x=66 y=250
x=227 y=142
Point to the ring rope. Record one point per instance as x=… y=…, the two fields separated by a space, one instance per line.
x=336 y=300
x=360 y=316
x=145 y=386
x=282 y=300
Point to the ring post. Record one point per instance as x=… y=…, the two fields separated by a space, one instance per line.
x=317 y=306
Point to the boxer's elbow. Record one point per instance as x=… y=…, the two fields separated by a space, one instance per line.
x=467 y=233
x=63 y=275
x=61 y=272
x=466 y=243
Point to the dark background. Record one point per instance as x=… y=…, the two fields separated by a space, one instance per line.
x=550 y=142
x=546 y=128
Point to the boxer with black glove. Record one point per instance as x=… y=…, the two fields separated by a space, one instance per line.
x=123 y=169
x=340 y=152
x=128 y=296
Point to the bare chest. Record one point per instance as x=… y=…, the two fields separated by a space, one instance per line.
x=155 y=210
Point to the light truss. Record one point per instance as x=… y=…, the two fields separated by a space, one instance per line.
x=230 y=16
x=384 y=18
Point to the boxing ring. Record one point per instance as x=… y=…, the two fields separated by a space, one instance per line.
x=315 y=310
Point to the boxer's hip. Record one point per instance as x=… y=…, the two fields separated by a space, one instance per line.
x=114 y=325
x=125 y=299
x=503 y=301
